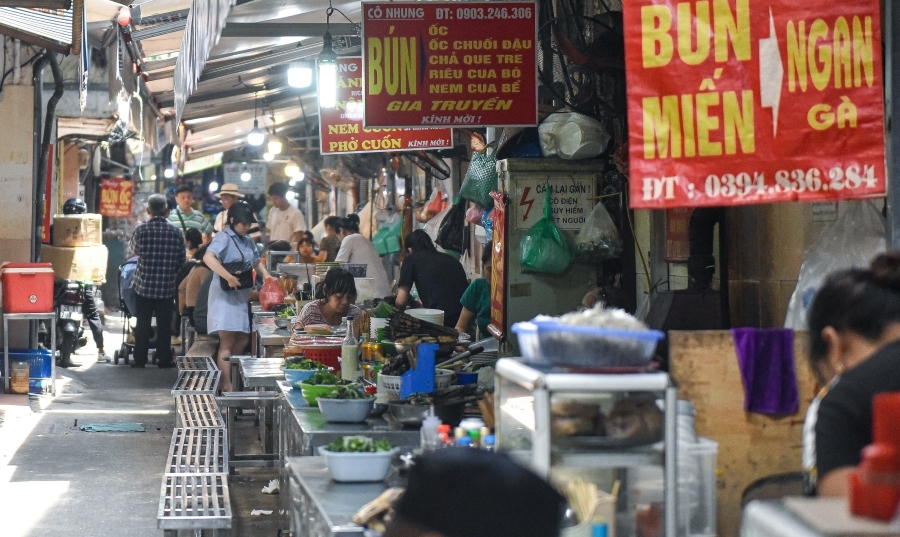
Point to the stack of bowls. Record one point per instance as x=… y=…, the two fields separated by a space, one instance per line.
x=426 y=314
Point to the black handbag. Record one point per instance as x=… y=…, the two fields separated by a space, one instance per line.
x=242 y=270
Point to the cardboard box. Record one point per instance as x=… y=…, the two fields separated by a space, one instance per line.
x=77 y=230
x=85 y=263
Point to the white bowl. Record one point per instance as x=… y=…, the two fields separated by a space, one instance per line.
x=345 y=410
x=357 y=467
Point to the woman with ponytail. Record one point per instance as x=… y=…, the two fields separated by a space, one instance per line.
x=854 y=351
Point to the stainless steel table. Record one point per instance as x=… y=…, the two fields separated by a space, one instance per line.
x=268 y=339
x=260 y=372
x=807 y=517
x=316 y=432
x=320 y=507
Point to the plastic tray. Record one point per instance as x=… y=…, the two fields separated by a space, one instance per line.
x=553 y=343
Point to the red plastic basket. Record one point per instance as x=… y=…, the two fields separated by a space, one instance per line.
x=327 y=355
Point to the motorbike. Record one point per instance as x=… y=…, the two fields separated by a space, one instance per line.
x=68 y=299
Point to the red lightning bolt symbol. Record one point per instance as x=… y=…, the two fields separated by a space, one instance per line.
x=526 y=202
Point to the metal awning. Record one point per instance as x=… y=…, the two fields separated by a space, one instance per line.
x=51 y=29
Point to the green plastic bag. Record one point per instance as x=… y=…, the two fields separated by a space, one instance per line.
x=481 y=178
x=543 y=248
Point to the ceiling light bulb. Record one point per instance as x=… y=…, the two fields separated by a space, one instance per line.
x=169 y=173
x=327 y=83
x=153 y=177
x=291 y=169
x=274 y=146
x=213 y=186
x=293 y=181
x=300 y=75
x=300 y=176
x=256 y=136
x=245 y=176
x=268 y=157
x=290 y=195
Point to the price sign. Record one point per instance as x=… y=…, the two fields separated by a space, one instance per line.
x=341 y=128
x=116 y=195
x=739 y=102
x=461 y=64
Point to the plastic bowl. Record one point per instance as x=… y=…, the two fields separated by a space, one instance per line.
x=345 y=410
x=311 y=392
x=553 y=343
x=297 y=375
x=357 y=467
x=407 y=414
x=282 y=322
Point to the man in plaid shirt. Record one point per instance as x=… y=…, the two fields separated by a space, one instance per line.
x=160 y=250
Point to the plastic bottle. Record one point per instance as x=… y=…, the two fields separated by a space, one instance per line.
x=475 y=437
x=489 y=443
x=430 y=438
x=464 y=441
x=349 y=354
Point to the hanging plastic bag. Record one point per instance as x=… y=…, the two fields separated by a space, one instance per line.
x=857 y=236
x=434 y=223
x=474 y=214
x=481 y=177
x=271 y=294
x=453 y=234
x=428 y=211
x=487 y=223
x=543 y=248
x=598 y=238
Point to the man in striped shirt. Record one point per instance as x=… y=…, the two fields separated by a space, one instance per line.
x=184 y=217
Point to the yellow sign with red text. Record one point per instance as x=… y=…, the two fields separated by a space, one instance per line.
x=734 y=102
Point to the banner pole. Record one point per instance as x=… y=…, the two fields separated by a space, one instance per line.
x=892 y=111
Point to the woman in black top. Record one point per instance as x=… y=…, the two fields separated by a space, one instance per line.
x=439 y=278
x=854 y=331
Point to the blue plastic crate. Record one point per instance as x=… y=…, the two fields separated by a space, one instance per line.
x=38 y=361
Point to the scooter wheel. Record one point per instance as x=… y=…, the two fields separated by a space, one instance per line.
x=116 y=358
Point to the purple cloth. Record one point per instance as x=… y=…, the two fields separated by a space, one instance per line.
x=766 y=359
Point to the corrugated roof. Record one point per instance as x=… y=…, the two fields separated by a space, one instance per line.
x=54 y=25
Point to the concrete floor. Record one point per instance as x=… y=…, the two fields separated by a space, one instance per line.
x=56 y=480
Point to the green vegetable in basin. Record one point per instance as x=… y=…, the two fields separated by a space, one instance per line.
x=286 y=313
x=305 y=365
x=352 y=391
x=359 y=444
x=323 y=377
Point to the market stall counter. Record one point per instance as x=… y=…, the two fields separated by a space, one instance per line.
x=320 y=507
x=807 y=517
x=268 y=340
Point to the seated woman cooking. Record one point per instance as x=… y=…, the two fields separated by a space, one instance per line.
x=340 y=292
x=854 y=332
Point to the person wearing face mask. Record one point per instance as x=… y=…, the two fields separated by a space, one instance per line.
x=359 y=250
x=854 y=334
x=339 y=292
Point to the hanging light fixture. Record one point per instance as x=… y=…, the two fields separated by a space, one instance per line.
x=255 y=137
x=300 y=75
x=327 y=82
x=274 y=146
x=268 y=157
x=291 y=169
x=297 y=177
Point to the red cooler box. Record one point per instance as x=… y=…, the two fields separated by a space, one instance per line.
x=27 y=287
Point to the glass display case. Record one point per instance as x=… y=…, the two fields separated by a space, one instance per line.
x=614 y=430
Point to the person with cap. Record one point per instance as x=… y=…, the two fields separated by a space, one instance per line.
x=463 y=492
x=185 y=217
x=228 y=196
x=283 y=219
x=227 y=308
x=160 y=250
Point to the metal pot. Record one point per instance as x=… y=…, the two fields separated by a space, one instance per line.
x=407 y=414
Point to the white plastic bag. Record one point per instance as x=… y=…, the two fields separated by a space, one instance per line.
x=572 y=136
x=853 y=240
x=598 y=239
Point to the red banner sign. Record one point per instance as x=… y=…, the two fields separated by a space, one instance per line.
x=736 y=102
x=497 y=328
x=461 y=64
x=115 y=197
x=341 y=128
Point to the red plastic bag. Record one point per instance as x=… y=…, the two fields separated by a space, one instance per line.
x=474 y=214
x=271 y=294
